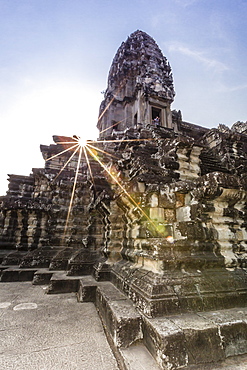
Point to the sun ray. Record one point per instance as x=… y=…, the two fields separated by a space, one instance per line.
x=90 y=146
x=102 y=151
x=88 y=164
x=115 y=124
x=107 y=107
x=122 y=140
x=73 y=193
x=67 y=142
x=109 y=104
x=64 y=151
x=123 y=189
x=72 y=155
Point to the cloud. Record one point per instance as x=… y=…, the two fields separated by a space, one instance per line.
x=200 y=56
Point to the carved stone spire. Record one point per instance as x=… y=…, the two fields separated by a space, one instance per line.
x=140 y=79
x=139 y=59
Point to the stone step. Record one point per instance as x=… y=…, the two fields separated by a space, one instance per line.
x=62 y=283
x=193 y=340
x=231 y=363
x=175 y=341
x=196 y=339
x=137 y=357
x=122 y=322
x=14 y=273
x=87 y=289
x=43 y=276
x=6 y=244
x=5 y=267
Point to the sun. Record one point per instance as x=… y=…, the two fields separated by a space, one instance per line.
x=82 y=142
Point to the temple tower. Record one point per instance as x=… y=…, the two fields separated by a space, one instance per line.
x=157 y=231
x=140 y=87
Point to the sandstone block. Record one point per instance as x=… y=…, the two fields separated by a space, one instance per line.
x=118 y=315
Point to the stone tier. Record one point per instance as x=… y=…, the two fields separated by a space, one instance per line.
x=179 y=292
x=175 y=341
x=198 y=338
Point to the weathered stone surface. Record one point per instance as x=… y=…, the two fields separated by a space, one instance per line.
x=231 y=326
x=139 y=76
x=203 y=342
x=178 y=292
x=57 y=333
x=179 y=341
x=87 y=289
x=16 y=274
x=61 y=283
x=119 y=316
x=166 y=343
x=42 y=277
x=137 y=357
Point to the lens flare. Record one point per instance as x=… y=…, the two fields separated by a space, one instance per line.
x=82 y=142
x=113 y=176
x=73 y=193
x=90 y=148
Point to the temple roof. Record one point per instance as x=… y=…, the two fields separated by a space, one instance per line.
x=140 y=59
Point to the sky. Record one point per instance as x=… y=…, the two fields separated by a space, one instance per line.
x=56 y=54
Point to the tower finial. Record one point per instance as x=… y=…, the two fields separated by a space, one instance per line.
x=139 y=69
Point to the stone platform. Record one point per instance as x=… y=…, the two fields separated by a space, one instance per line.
x=50 y=332
x=175 y=341
x=202 y=340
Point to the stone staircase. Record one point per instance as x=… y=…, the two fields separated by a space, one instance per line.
x=175 y=341
x=169 y=342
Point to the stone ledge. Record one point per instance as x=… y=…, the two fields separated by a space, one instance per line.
x=14 y=273
x=232 y=327
x=137 y=357
x=179 y=292
x=43 y=276
x=87 y=289
x=193 y=339
x=118 y=315
x=61 y=283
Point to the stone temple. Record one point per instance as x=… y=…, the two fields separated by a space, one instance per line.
x=156 y=230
